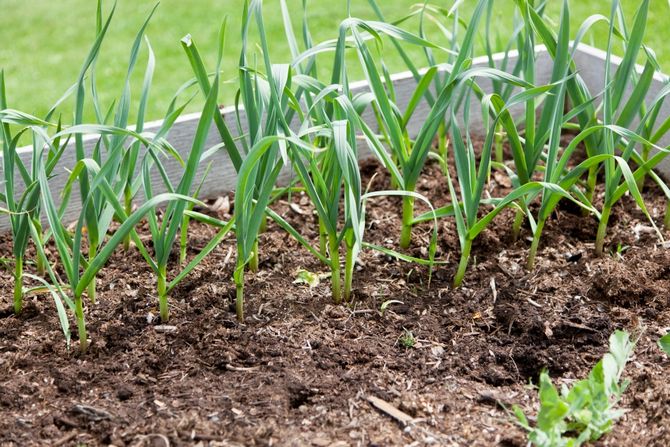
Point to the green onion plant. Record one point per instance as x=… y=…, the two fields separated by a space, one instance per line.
x=603 y=129
x=164 y=230
x=404 y=157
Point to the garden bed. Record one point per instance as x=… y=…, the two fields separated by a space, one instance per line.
x=165 y=352
x=300 y=371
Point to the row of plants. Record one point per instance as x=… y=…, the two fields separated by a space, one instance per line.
x=291 y=116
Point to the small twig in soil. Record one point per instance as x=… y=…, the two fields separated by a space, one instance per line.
x=494 y=291
x=390 y=410
x=228 y=256
x=91 y=413
x=538 y=305
x=578 y=326
x=65 y=439
x=230 y=367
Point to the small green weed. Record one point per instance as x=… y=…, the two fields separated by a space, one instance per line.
x=386 y=304
x=407 y=339
x=585 y=411
x=620 y=250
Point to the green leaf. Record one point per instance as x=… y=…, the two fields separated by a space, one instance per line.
x=303 y=276
x=621 y=348
x=521 y=417
x=664 y=343
x=553 y=409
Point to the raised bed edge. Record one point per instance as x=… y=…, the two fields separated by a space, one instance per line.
x=590 y=63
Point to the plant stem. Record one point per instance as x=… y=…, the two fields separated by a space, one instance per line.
x=40 y=268
x=334 y=249
x=463 y=264
x=590 y=187
x=442 y=146
x=92 y=291
x=645 y=157
x=518 y=221
x=162 y=294
x=323 y=239
x=666 y=219
x=182 y=243
x=239 y=301
x=128 y=207
x=39 y=262
x=264 y=224
x=535 y=244
x=407 y=218
x=238 y=277
x=81 y=323
x=253 y=262
x=602 y=229
x=18 y=285
x=91 y=286
x=393 y=182
x=183 y=239
x=499 y=143
x=348 y=270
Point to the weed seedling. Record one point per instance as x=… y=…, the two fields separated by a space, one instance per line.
x=407 y=339
x=585 y=411
x=620 y=250
x=386 y=304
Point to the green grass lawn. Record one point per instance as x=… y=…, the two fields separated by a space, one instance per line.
x=45 y=41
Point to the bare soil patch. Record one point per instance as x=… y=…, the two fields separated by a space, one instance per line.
x=299 y=371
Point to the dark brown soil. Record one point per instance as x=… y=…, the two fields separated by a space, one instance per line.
x=299 y=371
